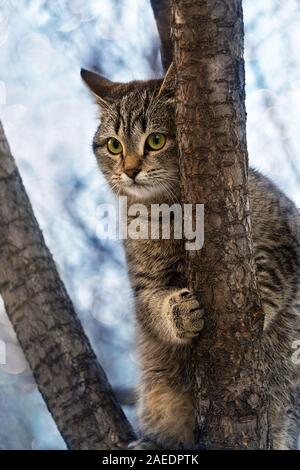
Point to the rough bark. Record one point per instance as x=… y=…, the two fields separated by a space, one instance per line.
x=67 y=373
x=161 y=10
x=211 y=126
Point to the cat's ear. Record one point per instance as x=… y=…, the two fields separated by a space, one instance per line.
x=169 y=82
x=102 y=88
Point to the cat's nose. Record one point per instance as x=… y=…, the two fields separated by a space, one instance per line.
x=132 y=173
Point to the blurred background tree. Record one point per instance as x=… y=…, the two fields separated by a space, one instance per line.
x=49 y=119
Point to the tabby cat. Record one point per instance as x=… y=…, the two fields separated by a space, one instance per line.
x=136 y=149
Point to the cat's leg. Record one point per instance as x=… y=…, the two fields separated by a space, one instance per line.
x=285 y=430
x=285 y=420
x=173 y=315
x=166 y=408
x=278 y=295
x=169 y=318
x=166 y=416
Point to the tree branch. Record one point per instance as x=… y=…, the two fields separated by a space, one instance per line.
x=67 y=373
x=211 y=130
x=162 y=14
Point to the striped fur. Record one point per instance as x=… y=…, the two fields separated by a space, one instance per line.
x=167 y=314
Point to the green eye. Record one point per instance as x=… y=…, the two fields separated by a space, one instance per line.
x=114 y=146
x=156 y=141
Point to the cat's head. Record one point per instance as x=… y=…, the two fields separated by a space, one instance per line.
x=135 y=143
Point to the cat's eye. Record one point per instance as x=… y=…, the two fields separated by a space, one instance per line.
x=114 y=146
x=156 y=141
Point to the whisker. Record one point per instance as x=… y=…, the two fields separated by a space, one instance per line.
x=168 y=190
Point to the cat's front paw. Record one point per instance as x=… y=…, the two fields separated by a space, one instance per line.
x=185 y=315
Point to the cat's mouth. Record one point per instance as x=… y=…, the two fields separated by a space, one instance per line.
x=139 y=187
x=141 y=190
x=150 y=191
x=145 y=187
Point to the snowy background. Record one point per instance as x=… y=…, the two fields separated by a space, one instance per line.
x=49 y=119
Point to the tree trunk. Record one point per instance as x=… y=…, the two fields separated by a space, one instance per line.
x=67 y=373
x=211 y=129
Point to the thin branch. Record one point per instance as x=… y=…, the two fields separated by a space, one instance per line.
x=162 y=14
x=126 y=396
